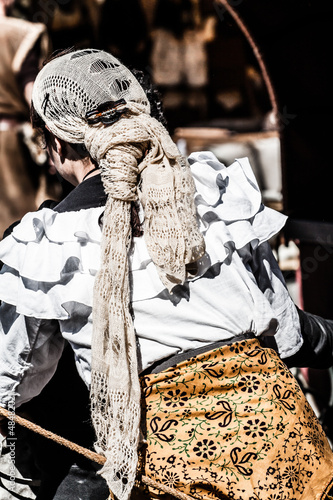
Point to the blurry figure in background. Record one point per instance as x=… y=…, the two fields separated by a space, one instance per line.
x=23 y=47
x=179 y=62
x=129 y=39
x=22 y=9
x=70 y=22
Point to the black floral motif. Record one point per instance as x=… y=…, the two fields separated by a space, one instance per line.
x=285 y=397
x=152 y=466
x=171 y=479
x=235 y=369
x=205 y=448
x=267 y=446
x=249 y=383
x=186 y=413
x=237 y=347
x=242 y=462
x=213 y=492
x=176 y=398
x=227 y=437
x=212 y=369
x=193 y=491
x=161 y=431
x=280 y=427
x=290 y=473
x=224 y=414
x=258 y=353
x=313 y=438
x=255 y=428
x=249 y=435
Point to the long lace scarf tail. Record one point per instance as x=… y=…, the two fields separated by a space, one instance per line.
x=115 y=388
x=114 y=412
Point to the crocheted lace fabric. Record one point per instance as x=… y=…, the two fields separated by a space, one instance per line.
x=138 y=160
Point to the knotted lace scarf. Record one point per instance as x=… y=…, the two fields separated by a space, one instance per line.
x=138 y=160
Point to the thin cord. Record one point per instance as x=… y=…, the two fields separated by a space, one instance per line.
x=90 y=172
x=95 y=457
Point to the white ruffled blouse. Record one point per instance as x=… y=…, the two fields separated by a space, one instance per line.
x=51 y=259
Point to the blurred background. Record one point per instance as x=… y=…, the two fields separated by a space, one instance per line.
x=211 y=86
x=239 y=78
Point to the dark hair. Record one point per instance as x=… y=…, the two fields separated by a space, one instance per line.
x=152 y=93
x=38 y=123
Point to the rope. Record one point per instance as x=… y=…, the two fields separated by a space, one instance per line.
x=95 y=457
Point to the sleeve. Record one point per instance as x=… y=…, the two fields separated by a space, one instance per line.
x=314 y=347
x=29 y=353
x=317 y=348
x=50 y=261
x=269 y=278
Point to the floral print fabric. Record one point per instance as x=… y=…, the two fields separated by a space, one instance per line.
x=233 y=423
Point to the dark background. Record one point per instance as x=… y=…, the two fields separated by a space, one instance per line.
x=295 y=38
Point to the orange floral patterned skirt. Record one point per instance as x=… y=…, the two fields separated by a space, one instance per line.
x=233 y=423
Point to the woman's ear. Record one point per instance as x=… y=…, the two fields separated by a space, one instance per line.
x=59 y=146
x=55 y=146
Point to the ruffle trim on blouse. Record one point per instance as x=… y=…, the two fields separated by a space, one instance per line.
x=52 y=258
x=230 y=213
x=50 y=262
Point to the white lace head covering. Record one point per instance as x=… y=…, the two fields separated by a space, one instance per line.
x=90 y=97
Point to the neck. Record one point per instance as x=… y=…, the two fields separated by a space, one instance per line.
x=90 y=173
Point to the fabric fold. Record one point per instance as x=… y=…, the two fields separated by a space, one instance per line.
x=230 y=213
x=51 y=259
